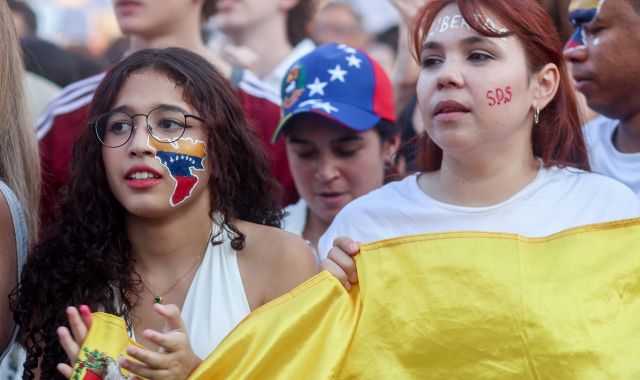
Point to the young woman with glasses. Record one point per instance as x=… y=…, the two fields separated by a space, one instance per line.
x=165 y=222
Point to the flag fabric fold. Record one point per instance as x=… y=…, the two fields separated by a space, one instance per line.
x=456 y=306
x=106 y=341
x=460 y=305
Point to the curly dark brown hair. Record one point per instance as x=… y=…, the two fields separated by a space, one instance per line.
x=86 y=256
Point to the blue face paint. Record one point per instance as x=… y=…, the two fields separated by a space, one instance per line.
x=581 y=13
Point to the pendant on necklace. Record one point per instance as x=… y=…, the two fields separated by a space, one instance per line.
x=157 y=299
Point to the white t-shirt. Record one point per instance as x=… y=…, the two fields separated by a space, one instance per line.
x=296 y=217
x=556 y=199
x=606 y=159
x=295 y=221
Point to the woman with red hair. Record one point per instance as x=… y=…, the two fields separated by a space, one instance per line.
x=502 y=150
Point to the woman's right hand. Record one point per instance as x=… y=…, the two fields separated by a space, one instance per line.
x=340 y=262
x=71 y=341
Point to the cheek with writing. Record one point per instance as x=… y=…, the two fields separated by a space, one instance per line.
x=499 y=96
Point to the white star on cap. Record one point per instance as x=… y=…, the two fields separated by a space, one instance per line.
x=354 y=61
x=347 y=49
x=318 y=104
x=317 y=87
x=326 y=107
x=337 y=73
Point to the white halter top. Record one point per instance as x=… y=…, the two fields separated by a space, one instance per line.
x=216 y=301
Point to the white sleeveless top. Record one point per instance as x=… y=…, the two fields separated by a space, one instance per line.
x=216 y=301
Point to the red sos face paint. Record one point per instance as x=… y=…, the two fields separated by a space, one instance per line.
x=499 y=96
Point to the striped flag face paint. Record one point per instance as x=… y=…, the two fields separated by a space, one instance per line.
x=182 y=159
x=581 y=14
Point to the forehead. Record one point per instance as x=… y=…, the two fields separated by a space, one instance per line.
x=143 y=90
x=338 y=10
x=584 y=11
x=314 y=128
x=619 y=11
x=450 y=21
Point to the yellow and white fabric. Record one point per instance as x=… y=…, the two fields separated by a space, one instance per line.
x=459 y=305
x=456 y=306
x=555 y=200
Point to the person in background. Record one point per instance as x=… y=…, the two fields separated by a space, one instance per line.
x=339 y=126
x=604 y=53
x=266 y=36
x=19 y=174
x=338 y=22
x=45 y=58
x=169 y=207
x=39 y=91
x=503 y=149
x=558 y=10
x=24 y=18
x=176 y=23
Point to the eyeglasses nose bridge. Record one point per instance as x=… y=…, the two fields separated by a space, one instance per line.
x=134 y=126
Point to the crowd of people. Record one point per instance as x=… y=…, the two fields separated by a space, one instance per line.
x=185 y=186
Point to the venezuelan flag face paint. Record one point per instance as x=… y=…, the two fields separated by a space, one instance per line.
x=182 y=159
x=582 y=13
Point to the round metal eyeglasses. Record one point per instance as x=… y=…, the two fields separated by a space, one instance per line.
x=165 y=124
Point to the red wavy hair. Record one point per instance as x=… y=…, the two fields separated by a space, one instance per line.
x=558 y=138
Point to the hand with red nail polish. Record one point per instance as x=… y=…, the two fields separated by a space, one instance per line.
x=71 y=338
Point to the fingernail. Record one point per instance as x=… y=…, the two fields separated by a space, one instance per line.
x=353 y=278
x=353 y=247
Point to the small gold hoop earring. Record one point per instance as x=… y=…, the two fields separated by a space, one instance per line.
x=536 y=116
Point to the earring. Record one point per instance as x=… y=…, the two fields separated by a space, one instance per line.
x=536 y=116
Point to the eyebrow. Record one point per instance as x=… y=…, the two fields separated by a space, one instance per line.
x=127 y=109
x=469 y=41
x=294 y=140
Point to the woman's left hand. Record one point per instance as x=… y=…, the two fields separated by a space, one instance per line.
x=71 y=340
x=175 y=358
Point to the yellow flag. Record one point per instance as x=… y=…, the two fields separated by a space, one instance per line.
x=106 y=342
x=456 y=306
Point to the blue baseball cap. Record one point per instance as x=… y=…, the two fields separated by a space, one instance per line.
x=338 y=82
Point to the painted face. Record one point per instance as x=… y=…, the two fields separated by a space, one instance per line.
x=473 y=91
x=581 y=13
x=605 y=59
x=150 y=178
x=332 y=165
x=146 y=18
x=234 y=16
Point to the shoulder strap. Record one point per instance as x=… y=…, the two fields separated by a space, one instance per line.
x=19 y=224
x=20 y=228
